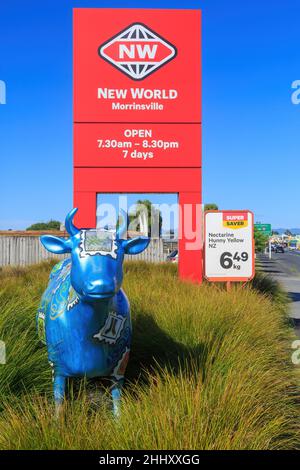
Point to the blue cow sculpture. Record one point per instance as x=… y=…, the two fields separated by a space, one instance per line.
x=84 y=314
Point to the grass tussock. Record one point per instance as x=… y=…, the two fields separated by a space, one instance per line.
x=208 y=370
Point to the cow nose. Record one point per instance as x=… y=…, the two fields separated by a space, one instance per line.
x=99 y=286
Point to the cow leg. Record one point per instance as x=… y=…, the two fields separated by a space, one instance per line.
x=116 y=396
x=59 y=385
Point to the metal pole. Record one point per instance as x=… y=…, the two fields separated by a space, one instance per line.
x=270 y=251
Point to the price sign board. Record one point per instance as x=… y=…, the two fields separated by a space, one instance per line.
x=229 y=245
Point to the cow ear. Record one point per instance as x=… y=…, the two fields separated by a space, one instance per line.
x=135 y=245
x=56 y=245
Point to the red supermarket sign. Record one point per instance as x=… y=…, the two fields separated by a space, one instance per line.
x=133 y=145
x=137 y=113
x=137 y=51
x=137 y=65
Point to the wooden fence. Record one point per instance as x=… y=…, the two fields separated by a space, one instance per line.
x=27 y=250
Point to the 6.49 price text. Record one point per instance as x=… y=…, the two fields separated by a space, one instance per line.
x=232 y=260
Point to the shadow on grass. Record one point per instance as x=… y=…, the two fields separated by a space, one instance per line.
x=152 y=349
x=272 y=271
x=265 y=284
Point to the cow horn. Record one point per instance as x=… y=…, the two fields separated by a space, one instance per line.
x=122 y=227
x=70 y=227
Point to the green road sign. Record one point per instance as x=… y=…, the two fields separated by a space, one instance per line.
x=266 y=229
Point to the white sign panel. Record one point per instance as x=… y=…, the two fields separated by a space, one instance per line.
x=229 y=246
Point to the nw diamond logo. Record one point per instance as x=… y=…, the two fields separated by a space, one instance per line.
x=137 y=51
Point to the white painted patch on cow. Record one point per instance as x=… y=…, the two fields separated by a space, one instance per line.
x=112 y=328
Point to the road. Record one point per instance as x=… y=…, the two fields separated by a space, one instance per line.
x=285 y=268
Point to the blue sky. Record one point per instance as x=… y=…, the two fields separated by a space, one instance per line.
x=250 y=127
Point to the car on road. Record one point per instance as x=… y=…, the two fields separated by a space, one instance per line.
x=293 y=245
x=279 y=249
x=173 y=257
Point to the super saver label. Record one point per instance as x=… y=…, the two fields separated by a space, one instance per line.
x=235 y=220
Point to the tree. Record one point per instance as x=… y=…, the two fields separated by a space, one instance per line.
x=152 y=215
x=211 y=207
x=260 y=240
x=51 y=225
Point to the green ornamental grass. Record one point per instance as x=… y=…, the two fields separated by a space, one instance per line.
x=209 y=369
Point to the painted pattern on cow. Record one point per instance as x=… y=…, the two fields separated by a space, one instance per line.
x=60 y=294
